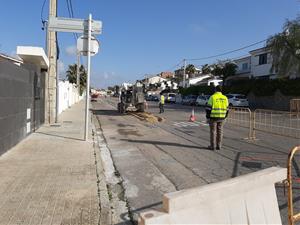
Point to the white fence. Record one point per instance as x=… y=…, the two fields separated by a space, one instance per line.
x=68 y=95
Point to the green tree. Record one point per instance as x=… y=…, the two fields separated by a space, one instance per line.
x=217 y=69
x=72 y=76
x=285 y=49
x=229 y=69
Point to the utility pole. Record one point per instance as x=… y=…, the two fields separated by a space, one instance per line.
x=78 y=73
x=52 y=56
x=184 y=68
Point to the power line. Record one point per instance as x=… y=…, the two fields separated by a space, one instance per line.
x=42 y=11
x=71 y=7
x=175 y=66
x=229 y=52
x=71 y=15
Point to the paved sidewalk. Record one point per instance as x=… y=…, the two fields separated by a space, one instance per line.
x=53 y=177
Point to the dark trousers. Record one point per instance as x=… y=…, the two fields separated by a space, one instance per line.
x=161 y=108
x=216 y=132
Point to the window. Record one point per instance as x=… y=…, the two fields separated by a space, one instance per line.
x=244 y=66
x=263 y=58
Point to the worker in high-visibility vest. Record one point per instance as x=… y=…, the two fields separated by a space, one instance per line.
x=161 y=104
x=216 y=113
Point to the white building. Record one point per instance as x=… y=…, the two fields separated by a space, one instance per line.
x=261 y=63
x=155 y=80
x=195 y=81
x=243 y=66
x=255 y=66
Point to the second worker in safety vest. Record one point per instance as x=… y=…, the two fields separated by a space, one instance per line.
x=161 y=104
x=216 y=113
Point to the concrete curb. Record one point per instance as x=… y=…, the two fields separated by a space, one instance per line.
x=115 y=192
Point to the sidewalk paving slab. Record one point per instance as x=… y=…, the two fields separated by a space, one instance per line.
x=54 y=177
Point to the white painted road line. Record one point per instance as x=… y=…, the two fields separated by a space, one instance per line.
x=190 y=124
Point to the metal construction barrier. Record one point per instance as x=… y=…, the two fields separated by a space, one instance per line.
x=276 y=122
x=295 y=107
x=241 y=117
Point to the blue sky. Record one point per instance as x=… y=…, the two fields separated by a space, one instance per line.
x=149 y=36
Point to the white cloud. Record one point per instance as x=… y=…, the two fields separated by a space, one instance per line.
x=71 y=50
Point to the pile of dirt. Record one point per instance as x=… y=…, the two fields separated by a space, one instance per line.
x=149 y=117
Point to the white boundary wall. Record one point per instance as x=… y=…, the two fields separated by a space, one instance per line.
x=68 y=95
x=247 y=199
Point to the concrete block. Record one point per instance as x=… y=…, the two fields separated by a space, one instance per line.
x=248 y=199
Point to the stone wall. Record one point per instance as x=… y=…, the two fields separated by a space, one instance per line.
x=278 y=101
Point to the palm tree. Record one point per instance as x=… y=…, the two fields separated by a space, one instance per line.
x=206 y=69
x=217 y=69
x=190 y=69
x=285 y=49
x=72 y=76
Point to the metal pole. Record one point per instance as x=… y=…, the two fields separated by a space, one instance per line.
x=184 y=68
x=77 y=72
x=88 y=79
x=57 y=94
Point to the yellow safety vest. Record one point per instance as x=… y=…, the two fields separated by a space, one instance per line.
x=162 y=99
x=219 y=105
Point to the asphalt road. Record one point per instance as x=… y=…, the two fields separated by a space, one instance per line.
x=153 y=159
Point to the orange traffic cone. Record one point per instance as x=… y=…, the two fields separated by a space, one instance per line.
x=192 y=117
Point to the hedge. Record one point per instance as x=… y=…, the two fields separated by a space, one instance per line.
x=258 y=87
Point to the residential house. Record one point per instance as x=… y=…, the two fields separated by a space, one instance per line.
x=6 y=58
x=255 y=66
x=22 y=97
x=261 y=64
x=209 y=81
x=196 y=80
x=167 y=75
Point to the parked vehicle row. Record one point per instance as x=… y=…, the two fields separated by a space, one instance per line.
x=234 y=100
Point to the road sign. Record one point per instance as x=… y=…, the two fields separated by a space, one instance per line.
x=82 y=45
x=73 y=25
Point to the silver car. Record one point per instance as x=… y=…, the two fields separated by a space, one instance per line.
x=202 y=100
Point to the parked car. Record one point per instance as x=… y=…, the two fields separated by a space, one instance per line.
x=170 y=97
x=202 y=100
x=94 y=97
x=237 y=100
x=152 y=98
x=155 y=98
x=189 y=100
x=178 y=99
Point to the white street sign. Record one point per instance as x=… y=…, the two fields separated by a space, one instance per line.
x=73 y=25
x=82 y=45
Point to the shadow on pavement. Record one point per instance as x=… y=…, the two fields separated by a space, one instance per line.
x=164 y=143
x=60 y=136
